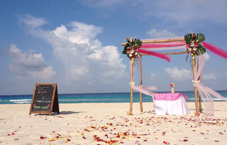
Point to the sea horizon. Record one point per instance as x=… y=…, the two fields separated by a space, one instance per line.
x=105 y=97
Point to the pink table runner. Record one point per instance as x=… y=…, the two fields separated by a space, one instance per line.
x=169 y=96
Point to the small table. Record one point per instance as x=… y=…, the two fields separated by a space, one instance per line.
x=170 y=103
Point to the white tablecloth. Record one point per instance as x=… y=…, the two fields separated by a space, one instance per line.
x=176 y=107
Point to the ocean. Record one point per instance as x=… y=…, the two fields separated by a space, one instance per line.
x=95 y=98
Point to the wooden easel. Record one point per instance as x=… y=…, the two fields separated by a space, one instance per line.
x=197 y=105
x=45 y=99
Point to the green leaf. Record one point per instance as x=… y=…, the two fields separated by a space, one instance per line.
x=188 y=38
x=200 y=37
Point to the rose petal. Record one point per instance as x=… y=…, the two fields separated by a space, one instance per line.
x=42 y=137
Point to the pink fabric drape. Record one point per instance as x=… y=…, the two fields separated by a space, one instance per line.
x=163 y=56
x=215 y=49
x=165 y=48
x=150 y=47
x=164 y=44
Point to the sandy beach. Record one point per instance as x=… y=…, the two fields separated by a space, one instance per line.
x=107 y=123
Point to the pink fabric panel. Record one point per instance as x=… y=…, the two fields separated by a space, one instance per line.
x=216 y=50
x=168 y=96
x=155 y=54
x=164 y=44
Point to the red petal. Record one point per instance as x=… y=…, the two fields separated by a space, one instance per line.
x=41 y=137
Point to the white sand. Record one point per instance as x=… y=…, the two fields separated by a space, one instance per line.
x=91 y=124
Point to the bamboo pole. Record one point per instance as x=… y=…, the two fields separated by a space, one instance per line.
x=195 y=88
x=141 y=96
x=131 y=92
x=141 y=102
x=200 y=105
x=168 y=53
x=159 y=41
x=173 y=53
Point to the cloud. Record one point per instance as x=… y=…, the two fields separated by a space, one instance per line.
x=225 y=73
x=32 y=21
x=181 y=12
x=28 y=64
x=153 y=33
x=179 y=74
x=153 y=76
x=83 y=56
x=187 y=11
x=209 y=77
x=102 y=3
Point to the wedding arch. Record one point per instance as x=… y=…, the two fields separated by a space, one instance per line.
x=195 y=48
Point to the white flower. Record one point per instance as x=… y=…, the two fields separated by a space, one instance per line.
x=132 y=51
x=194 y=48
x=130 y=55
x=192 y=44
x=189 y=49
x=136 y=53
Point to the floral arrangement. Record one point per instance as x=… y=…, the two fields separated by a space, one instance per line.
x=131 y=48
x=193 y=43
x=172 y=85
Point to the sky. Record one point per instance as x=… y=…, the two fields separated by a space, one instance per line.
x=77 y=43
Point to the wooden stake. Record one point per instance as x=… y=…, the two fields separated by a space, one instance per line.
x=159 y=41
x=141 y=97
x=195 y=88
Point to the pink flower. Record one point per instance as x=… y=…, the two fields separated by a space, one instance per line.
x=128 y=52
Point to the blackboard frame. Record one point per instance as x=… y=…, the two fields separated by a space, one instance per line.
x=54 y=107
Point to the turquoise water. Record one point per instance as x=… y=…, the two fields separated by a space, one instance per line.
x=94 y=98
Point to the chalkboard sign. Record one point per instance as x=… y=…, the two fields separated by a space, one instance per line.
x=45 y=99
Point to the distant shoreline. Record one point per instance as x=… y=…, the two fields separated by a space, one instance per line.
x=105 y=93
